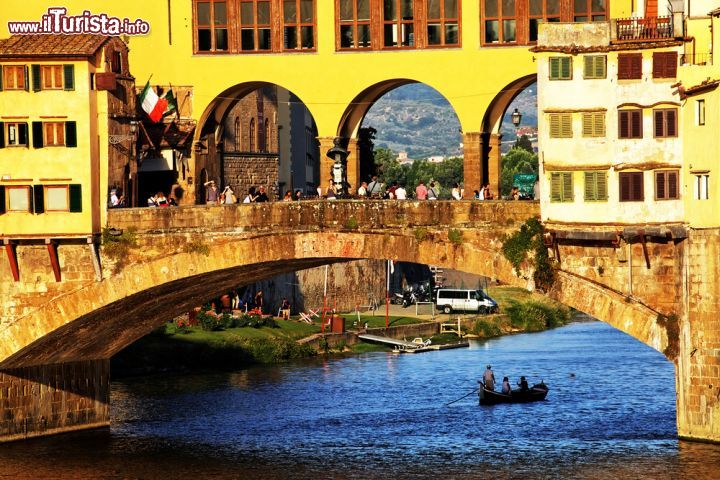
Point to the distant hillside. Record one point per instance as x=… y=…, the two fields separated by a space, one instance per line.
x=418 y=120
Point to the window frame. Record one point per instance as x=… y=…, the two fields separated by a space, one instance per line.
x=500 y=18
x=443 y=21
x=700 y=112
x=399 y=23
x=355 y=24
x=256 y=27
x=560 y=60
x=629 y=197
x=564 y=191
x=593 y=67
x=46 y=188
x=562 y=119
x=666 y=175
x=6 y=127
x=57 y=76
x=542 y=17
x=58 y=127
x=598 y=192
x=15 y=68
x=298 y=24
x=702 y=185
x=590 y=14
x=597 y=128
x=212 y=27
x=628 y=68
x=665 y=65
x=28 y=189
x=629 y=113
x=665 y=126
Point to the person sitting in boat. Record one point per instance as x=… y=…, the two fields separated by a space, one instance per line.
x=523 y=385
x=506 y=388
x=489 y=378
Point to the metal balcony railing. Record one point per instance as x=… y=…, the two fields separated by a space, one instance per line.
x=696 y=59
x=650 y=28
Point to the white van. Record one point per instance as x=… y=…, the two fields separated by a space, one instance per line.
x=449 y=300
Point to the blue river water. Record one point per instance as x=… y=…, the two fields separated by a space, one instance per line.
x=610 y=413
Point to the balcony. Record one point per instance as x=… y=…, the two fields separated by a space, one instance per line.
x=696 y=59
x=643 y=29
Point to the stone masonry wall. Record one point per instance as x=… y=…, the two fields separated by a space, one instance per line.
x=49 y=399
x=244 y=171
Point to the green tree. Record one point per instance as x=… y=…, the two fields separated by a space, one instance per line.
x=388 y=168
x=523 y=142
x=517 y=160
x=448 y=173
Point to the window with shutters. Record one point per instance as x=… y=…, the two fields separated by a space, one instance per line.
x=560 y=125
x=53 y=134
x=702 y=187
x=594 y=66
x=589 y=10
x=665 y=122
x=14 y=77
x=211 y=26
x=630 y=124
x=499 y=21
x=665 y=64
x=354 y=21
x=298 y=25
x=560 y=68
x=593 y=124
x=631 y=187
x=629 y=66
x=16 y=134
x=52 y=77
x=443 y=22
x=541 y=11
x=57 y=198
x=17 y=198
x=561 y=187
x=700 y=112
x=666 y=185
x=596 y=186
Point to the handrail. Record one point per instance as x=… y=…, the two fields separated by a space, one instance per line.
x=650 y=28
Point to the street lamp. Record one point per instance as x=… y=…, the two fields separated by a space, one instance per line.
x=516 y=118
x=339 y=168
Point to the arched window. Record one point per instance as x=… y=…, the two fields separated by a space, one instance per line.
x=237 y=134
x=252 y=135
x=268 y=144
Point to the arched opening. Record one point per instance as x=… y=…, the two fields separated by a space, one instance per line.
x=402 y=129
x=253 y=135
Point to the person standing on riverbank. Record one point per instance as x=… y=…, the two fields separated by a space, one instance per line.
x=489 y=378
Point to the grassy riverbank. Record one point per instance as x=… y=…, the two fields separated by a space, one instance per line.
x=189 y=348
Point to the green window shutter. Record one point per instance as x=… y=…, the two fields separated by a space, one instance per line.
x=566 y=125
x=554 y=68
x=587 y=125
x=37 y=134
x=2 y=135
x=69 y=77
x=588 y=67
x=70 y=134
x=27 y=79
x=38 y=199
x=36 y=83
x=599 y=124
x=590 y=187
x=555 y=187
x=2 y=199
x=600 y=66
x=554 y=120
x=566 y=68
x=601 y=182
x=567 y=187
x=76 y=197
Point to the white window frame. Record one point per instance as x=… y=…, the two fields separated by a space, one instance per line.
x=702 y=186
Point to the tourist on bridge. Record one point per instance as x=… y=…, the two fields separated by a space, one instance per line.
x=251 y=196
x=477 y=194
x=374 y=189
x=400 y=193
x=332 y=192
x=489 y=378
x=212 y=194
x=298 y=195
x=421 y=191
x=288 y=196
x=152 y=201
x=228 y=196
x=391 y=191
x=506 y=388
x=262 y=196
x=457 y=192
x=362 y=191
x=161 y=200
x=432 y=194
x=486 y=193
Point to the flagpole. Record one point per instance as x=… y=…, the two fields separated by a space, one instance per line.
x=387 y=297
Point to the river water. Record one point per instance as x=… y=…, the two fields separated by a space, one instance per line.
x=610 y=413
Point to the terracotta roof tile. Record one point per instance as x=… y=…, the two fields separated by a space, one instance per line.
x=83 y=45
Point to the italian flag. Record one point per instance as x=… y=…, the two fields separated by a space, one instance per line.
x=153 y=105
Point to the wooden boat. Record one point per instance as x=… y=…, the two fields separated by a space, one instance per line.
x=537 y=392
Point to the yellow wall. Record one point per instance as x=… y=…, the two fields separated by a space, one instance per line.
x=67 y=165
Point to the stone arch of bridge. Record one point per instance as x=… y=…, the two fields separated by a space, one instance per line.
x=492 y=120
x=101 y=318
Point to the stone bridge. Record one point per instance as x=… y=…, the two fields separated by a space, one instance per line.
x=56 y=337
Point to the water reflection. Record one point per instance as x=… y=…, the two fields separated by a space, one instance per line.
x=380 y=415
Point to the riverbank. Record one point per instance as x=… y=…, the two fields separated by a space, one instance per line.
x=175 y=347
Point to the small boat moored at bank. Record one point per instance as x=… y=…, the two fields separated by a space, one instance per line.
x=535 y=393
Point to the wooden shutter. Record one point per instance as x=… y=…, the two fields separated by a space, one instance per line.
x=665 y=64
x=673 y=191
x=555 y=187
x=69 y=77
x=587 y=125
x=623 y=67
x=1 y=78
x=629 y=66
x=37 y=134
x=660 y=186
x=636 y=124
x=75 y=197
x=26 y=79
x=659 y=120
x=624 y=124
x=38 y=198
x=637 y=193
x=70 y=134
x=589 y=66
x=590 y=186
x=566 y=125
x=554 y=68
x=2 y=134
x=36 y=81
x=2 y=199
x=670 y=123
x=566 y=68
x=600 y=66
x=554 y=120
x=599 y=124
x=602 y=191
x=636 y=66
x=567 y=187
